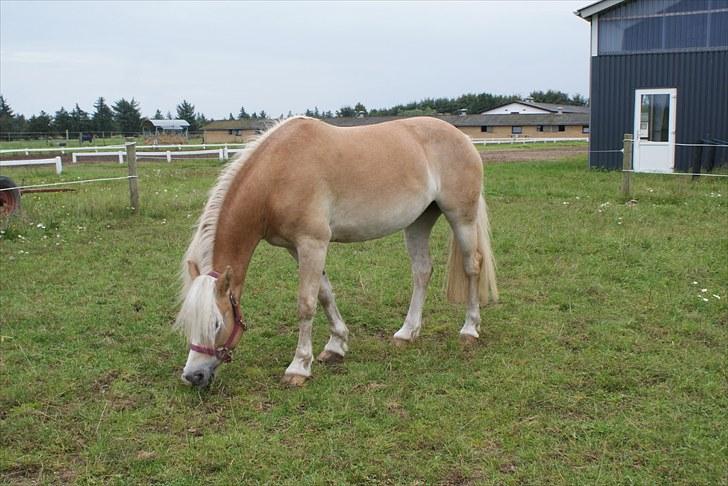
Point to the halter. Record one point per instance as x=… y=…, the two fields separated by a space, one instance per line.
x=224 y=352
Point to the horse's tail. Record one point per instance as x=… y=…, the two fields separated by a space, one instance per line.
x=457 y=280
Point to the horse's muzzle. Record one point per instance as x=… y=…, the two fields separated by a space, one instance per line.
x=200 y=378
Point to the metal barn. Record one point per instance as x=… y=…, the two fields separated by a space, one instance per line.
x=659 y=70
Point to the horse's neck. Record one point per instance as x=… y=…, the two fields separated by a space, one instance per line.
x=236 y=238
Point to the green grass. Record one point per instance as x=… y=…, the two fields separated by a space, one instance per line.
x=532 y=146
x=602 y=364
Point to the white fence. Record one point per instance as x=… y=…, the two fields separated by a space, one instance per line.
x=15 y=163
x=517 y=141
x=222 y=154
x=106 y=148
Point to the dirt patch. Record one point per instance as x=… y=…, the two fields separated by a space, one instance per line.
x=531 y=155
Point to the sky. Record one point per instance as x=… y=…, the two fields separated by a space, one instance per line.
x=281 y=56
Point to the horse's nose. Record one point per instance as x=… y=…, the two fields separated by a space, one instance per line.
x=195 y=378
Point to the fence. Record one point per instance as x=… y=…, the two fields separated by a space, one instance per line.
x=54 y=161
x=103 y=148
x=223 y=154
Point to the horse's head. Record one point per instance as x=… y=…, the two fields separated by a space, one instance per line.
x=210 y=318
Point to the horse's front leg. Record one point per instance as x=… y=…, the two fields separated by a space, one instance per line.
x=311 y=259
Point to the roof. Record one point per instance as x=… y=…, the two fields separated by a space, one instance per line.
x=550 y=107
x=478 y=120
x=595 y=8
x=240 y=124
x=170 y=124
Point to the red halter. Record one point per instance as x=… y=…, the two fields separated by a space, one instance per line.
x=224 y=352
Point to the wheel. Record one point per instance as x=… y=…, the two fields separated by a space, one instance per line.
x=9 y=199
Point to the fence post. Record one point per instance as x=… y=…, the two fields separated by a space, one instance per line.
x=121 y=155
x=59 y=165
x=225 y=153
x=220 y=155
x=627 y=166
x=133 y=180
x=74 y=157
x=169 y=156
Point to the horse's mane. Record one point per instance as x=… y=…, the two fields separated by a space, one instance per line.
x=200 y=249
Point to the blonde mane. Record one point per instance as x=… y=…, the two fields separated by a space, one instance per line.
x=200 y=249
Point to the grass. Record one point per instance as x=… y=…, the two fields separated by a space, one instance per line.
x=602 y=364
x=532 y=146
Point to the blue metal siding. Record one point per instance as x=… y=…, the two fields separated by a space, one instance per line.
x=701 y=79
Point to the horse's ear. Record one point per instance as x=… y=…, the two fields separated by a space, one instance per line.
x=193 y=269
x=222 y=286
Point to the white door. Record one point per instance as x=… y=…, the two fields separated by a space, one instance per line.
x=654 y=130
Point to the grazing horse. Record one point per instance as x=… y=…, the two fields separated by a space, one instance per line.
x=304 y=184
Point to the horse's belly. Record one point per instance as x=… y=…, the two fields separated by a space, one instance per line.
x=367 y=222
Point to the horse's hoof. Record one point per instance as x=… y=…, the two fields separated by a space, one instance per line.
x=329 y=357
x=400 y=343
x=294 y=380
x=468 y=340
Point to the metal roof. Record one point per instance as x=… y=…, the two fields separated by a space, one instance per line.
x=170 y=124
x=551 y=107
x=594 y=8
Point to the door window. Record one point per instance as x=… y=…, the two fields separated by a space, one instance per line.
x=655 y=117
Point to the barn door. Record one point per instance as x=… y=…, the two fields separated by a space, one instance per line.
x=654 y=130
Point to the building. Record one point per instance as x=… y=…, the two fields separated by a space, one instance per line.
x=530 y=107
x=234 y=131
x=659 y=71
x=164 y=127
x=546 y=124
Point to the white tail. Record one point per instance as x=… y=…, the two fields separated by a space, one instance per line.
x=457 y=280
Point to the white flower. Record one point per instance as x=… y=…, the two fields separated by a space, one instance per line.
x=703 y=290
x=716 y=296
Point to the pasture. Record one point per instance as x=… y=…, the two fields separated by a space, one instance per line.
x=603 y=363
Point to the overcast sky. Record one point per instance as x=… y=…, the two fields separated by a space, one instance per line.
x=284 y=56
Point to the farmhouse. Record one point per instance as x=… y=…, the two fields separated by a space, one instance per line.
x=233 y=131
x=547 y=123
x=659 y=71
x=165 y=127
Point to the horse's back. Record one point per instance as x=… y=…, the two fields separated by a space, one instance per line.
x=369 y=181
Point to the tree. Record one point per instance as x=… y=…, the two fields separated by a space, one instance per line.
x=243 y=115
x=360 y=109
x=40 y=124
x=231 y=117
x=169 y=115
x=80 y=121
x=6 y=116
x=550 y=96
x=345 y=112
x=254 y=116
x=263 y=115
x=186 y=111
x=62 y=121
x=158 y=115
x=200 y=121
x=128 y=116
x=103 y=118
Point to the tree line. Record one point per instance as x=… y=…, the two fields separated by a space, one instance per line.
x=123 y=116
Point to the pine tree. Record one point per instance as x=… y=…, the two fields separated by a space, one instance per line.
x=62 y=121
x=103 y=117
x=128 y=116
x=243 y=115
x=80 y=121
x=186 y=111
x=6 y=116
x=263 y=114
x=231 y=117
x=345 y=112
x=158 y=115
x=40 y=124
x=360 y=109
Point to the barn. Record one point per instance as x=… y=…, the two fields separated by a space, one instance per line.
x=152 y=127
x=659 y=71
x=234 y=131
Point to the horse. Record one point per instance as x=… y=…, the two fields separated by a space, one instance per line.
x=304 y=184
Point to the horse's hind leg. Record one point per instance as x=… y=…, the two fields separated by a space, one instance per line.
x=336 y=348
x=417 y=239
x=466 y=236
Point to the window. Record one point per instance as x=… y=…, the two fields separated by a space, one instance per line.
x=664 y=26
x=486 y=129
x=516 y=130
x=547 y=128
x=562 y=128
x=585 y=129
x=654 y=117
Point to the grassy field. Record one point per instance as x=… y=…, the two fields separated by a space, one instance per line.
x=604 y=362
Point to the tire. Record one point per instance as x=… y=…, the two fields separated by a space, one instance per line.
x=9 y=200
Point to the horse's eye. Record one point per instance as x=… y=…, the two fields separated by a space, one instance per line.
x=218 y=324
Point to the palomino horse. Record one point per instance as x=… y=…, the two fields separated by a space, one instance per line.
x=304 y=184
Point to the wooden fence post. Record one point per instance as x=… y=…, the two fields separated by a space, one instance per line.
x=131 y=162
x=627 y=166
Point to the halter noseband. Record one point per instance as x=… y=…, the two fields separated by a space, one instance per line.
x=224 y=352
